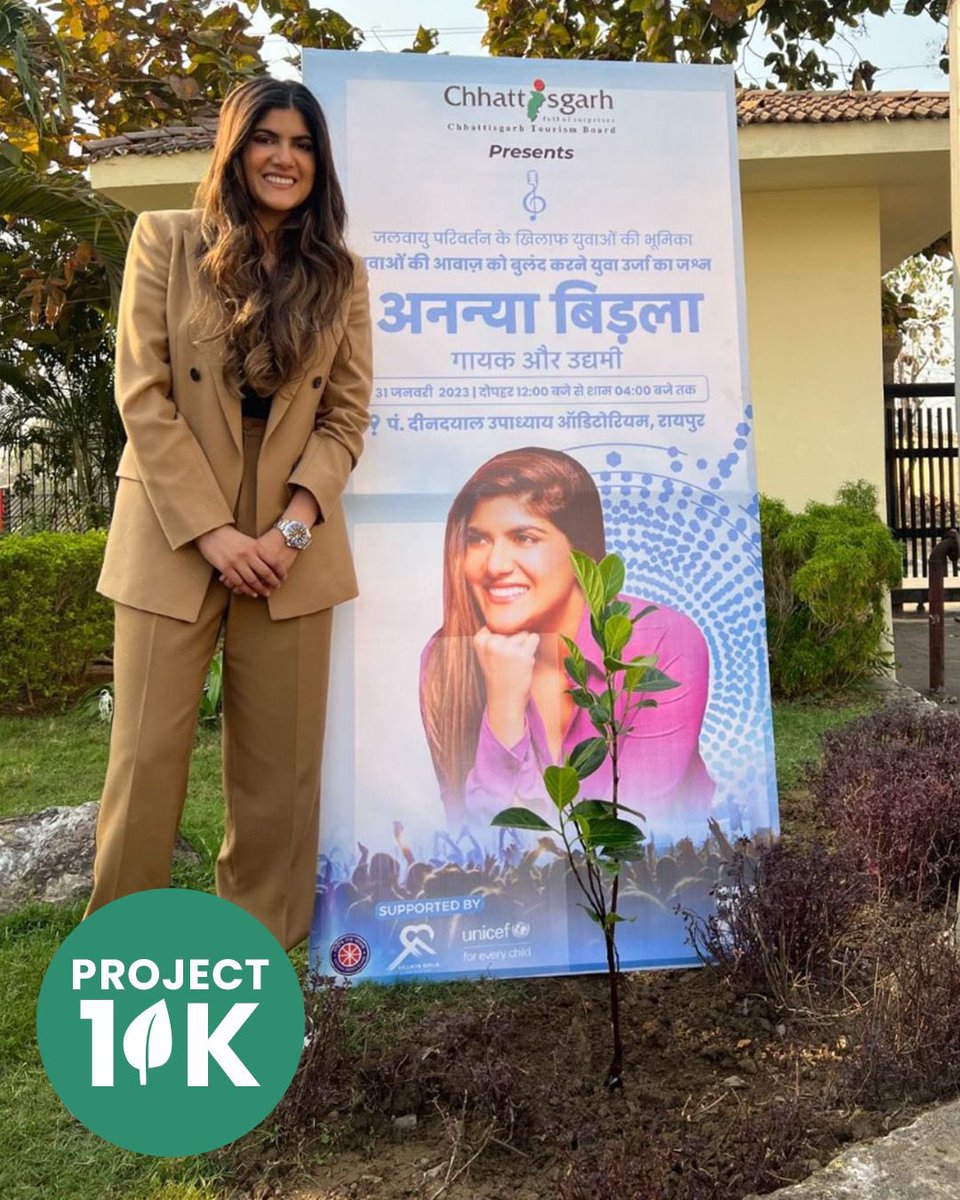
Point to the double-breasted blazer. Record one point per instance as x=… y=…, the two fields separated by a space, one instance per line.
x=180 y=472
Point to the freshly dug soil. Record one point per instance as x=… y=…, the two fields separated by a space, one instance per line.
x=495 y=1091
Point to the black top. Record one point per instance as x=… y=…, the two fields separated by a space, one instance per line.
x=254 y=405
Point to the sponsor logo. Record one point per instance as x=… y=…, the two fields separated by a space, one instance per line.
x=509 y=931
x=349 y=954
x=492 y=945
x=417 y=945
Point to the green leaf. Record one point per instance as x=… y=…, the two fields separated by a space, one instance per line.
x=619 y=608
x=642 y=660
x=594 y=917
x=582 y=697
x=612 y=833
x=587 y=756
x=613 y=919
x=619 y=854
x=575 y=664
x=617 y=664
x=520 y=818
x=613 y=573
x=603 y=808
x=600 y=713
x=644 y=612
x=562 y=784
x=649 y=679
x=588 y=575
x=616 y=634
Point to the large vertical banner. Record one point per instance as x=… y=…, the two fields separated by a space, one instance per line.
x=555 y=263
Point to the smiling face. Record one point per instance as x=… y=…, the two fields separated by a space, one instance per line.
x=279 y=165
x=518 y=570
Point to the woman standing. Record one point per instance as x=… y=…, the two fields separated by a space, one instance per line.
x=243 y=380
x=494 y=693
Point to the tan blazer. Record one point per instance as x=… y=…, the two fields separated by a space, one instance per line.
x=179 y=475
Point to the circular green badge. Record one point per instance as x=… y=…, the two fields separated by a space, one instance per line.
x=170 y=1022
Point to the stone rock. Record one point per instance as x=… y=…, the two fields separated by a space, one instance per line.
x=405 y=1124
x=48 y=856
x=919 y=1162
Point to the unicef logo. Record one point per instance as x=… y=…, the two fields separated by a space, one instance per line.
x=521 y=929
x=349 y=954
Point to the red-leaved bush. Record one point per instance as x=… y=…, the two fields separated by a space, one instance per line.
x=890 y=787
x=783 y=921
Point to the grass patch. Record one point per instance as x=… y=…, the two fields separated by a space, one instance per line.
x=61 y=759
x=44 y=1152
x=798 y=724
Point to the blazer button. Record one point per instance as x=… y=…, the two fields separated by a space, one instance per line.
x=318 y=381
x=194 y=374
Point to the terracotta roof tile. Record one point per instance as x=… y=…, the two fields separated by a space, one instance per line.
x=767 y=107
x=166 y=139
x=755 y=106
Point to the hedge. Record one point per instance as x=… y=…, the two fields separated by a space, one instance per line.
x=52 y=622
x=826 y=573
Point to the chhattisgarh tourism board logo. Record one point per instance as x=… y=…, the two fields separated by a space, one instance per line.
x=534 y=101
x=170 y=1022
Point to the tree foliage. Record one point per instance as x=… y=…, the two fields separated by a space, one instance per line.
x=98 y=68
x=918 y=302
x=72 y=71
x=696 y=31
x=82 y=69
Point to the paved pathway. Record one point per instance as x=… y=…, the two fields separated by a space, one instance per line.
x=911 y=636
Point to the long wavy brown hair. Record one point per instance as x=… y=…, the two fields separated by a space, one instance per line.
x=553 y=486
x=270 y=318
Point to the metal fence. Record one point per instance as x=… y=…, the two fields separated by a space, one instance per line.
x=922 y=485
x=35 y=497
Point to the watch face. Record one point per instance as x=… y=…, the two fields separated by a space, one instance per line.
x=295 y=534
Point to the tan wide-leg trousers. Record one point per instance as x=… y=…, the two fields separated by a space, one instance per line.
x=274 y=707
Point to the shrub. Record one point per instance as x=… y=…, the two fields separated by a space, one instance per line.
x=889 y=784
x=752 y=1150
x=826 y=571
x=906 y=1035
x=783 y=923
x=52 y=622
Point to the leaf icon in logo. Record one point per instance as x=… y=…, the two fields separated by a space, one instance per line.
x=148 y=1041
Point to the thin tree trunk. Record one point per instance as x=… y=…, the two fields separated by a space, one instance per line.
x=615 y=1072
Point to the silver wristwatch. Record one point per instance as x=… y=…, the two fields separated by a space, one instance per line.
x=295 y=534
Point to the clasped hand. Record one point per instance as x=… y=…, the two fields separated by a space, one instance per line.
x=507 y=662
x=247 y=566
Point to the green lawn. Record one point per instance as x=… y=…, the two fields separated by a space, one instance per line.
x=44 y=1153
x=797 y=728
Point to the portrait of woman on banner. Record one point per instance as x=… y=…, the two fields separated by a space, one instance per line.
x=493 y=690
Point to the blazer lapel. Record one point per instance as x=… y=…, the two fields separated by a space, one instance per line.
x=317 y=367
x=212 y=348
